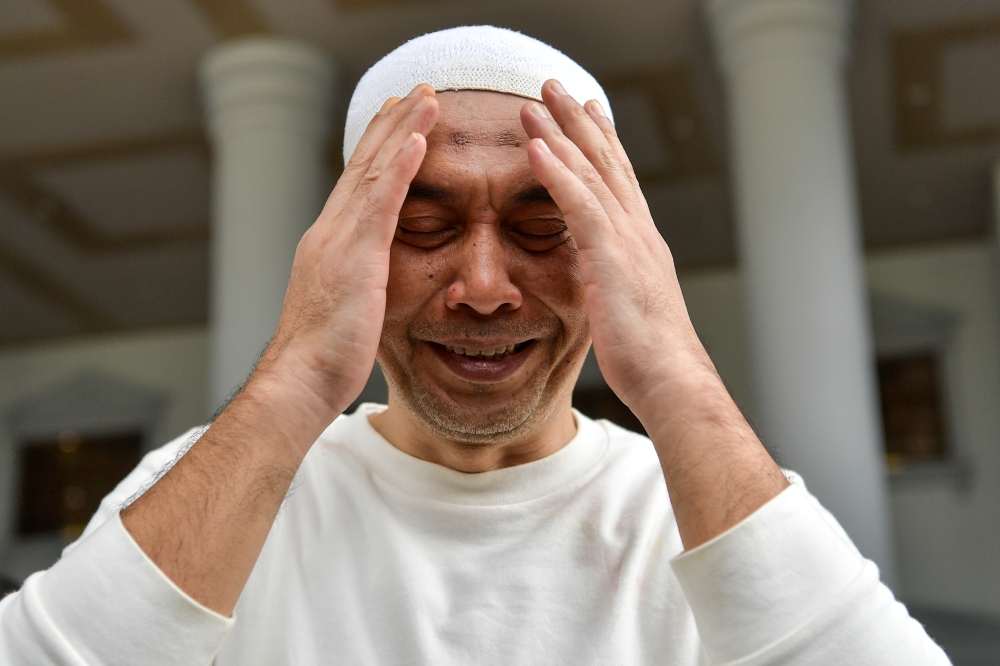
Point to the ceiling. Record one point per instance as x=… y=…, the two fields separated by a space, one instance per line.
x=104 y=166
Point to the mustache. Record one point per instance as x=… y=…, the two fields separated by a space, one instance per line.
x=494 y=327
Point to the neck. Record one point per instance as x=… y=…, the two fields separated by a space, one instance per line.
x=401 y=430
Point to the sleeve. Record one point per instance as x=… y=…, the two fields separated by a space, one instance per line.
x=106 y=602
x=787 y=587
x=152 y=466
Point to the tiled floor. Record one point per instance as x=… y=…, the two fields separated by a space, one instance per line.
x=969 y=640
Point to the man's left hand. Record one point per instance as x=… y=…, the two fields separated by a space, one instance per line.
x=716 y=469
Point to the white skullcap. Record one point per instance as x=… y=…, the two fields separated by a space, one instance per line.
x=476 y=57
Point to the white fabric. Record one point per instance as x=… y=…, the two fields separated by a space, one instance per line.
x=380 y=558
x=479 y=57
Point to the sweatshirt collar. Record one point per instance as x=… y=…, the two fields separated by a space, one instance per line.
x=510 y=485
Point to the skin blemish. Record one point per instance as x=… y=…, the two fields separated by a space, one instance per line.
x=459 y=139
x=507 y=138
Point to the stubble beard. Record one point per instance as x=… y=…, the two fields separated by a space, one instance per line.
x=504 y=420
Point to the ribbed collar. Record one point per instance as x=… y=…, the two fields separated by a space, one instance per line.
x=510 y=485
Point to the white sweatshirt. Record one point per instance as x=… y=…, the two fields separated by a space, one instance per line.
x=381 y=558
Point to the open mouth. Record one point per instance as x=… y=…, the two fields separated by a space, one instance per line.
x=495 y=354
x=491 y=365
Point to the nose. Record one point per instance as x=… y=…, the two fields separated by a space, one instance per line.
x=482 y=279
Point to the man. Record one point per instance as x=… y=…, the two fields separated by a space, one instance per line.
x=477 y=243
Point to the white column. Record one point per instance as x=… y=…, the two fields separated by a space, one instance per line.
x=268 y=104
x=801 y=255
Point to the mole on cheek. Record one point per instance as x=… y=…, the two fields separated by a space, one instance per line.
x=430 y=276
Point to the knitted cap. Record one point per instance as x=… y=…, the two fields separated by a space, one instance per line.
x=478 y=57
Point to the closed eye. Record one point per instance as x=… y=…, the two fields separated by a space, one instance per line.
x=425 y=232
x=539 y=234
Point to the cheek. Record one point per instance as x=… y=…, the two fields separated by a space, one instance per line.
x=554 y=278
x=414 y=277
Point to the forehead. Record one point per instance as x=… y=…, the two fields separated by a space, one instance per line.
x=477 y=119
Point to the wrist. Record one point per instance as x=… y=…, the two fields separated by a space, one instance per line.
x=688 y=390
x=284 y=405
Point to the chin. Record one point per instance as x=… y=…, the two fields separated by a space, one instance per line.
x=483 y=420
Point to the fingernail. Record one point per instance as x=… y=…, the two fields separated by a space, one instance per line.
x=410 y=140
x=417 y=90
x=558 y=87
x=540 y=111
x=598 y=108
x=544 y=147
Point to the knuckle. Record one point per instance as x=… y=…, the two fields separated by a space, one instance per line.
x=590 y=177
x=607 y=159
x=370 y=209
x=360 y=156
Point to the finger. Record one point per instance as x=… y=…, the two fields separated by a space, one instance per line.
x=600 y=118
x=348 y=197
x=580 y=128
x=380 y=128
x=338 y=192
x=380 y=211
x=539 y=124
x=420 y=119
x=583 y=212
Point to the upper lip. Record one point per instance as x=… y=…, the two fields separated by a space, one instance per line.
x=480 y=345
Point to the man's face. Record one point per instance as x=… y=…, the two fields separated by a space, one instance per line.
x=481 y=261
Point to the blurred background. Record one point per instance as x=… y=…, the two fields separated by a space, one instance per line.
x=823 y=171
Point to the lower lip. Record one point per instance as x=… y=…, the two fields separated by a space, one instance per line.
x=480 y=369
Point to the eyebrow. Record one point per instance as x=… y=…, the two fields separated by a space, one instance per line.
x=534 y=194
x=428 y=192
x=441 y=195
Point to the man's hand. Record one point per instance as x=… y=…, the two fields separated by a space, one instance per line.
x=717 y=472
x=331 y=320
x=204 y=523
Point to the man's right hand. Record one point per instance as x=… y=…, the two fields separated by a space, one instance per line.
x=331 y=320
x=205 y=522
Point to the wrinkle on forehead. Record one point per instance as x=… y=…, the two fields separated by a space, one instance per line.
x=477 y=153
x=504 y=138
x=477 y=118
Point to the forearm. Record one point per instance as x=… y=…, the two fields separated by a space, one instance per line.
x=786 y=586
x=105 y=603
x=205 y=522
x=716 y=469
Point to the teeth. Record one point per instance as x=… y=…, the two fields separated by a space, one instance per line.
x=489 y=354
